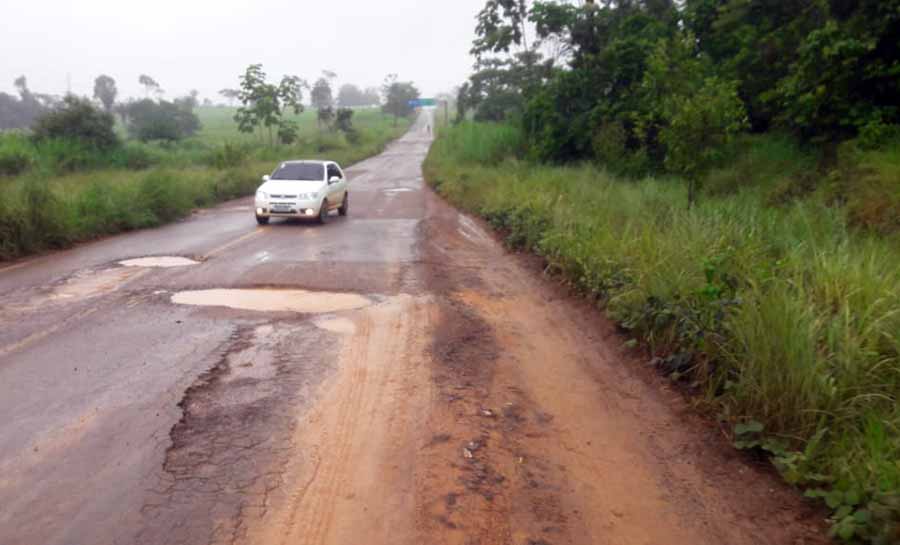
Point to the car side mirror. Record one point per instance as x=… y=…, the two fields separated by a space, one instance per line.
x=265 y=178
x=334 y=180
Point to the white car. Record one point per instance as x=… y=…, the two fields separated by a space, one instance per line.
x=303 y=189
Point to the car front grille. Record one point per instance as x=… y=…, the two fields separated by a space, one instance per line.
x=282 y=196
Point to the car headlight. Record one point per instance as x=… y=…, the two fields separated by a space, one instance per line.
x=262 y=195
x=306 y=196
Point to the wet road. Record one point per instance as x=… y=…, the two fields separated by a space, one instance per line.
x=391 y=377
x=95 y=357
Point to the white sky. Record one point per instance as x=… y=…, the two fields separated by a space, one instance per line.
x=206 y=44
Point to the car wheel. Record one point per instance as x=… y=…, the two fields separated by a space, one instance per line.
x=323 y=212
x=262 y=220
x=345 y=206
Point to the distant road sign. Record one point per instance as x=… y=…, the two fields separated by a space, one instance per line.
x=422 y=102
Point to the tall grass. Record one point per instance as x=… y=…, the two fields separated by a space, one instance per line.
x=783 y=318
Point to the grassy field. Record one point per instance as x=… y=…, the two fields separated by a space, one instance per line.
x=775 y=309
x=65 y=193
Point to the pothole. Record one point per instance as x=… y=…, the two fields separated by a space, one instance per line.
x=342 y=326
x=90 y=283
x=164 y=262
x=273 y=300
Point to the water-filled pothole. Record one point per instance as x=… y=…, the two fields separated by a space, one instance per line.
x=273 y=300
x=159 y=261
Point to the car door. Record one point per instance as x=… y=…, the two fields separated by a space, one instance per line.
x=335 y=190
x=344 y=183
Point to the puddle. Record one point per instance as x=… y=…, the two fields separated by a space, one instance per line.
x=310 y=302
x=343 y=326
x=399 y=190
x=91 y=283
x=160 y=262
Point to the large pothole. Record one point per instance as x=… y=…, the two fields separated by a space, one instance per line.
x=272 y=300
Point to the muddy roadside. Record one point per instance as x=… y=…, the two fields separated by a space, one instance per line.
x=548 y=430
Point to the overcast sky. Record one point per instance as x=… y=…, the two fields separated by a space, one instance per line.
x=206 y=44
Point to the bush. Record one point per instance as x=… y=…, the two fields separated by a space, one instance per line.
x=16 y=154
x=168 y=121
x=77 y=120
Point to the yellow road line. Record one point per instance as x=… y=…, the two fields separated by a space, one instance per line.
x=242 y=238
x=33 y=338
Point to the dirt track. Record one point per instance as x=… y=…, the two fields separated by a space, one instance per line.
x=419 y=385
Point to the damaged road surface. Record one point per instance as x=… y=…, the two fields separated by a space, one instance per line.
x=392 y=377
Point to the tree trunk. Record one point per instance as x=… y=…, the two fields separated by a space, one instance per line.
x=692 y=192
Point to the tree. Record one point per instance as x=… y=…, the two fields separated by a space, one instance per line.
x=699 y=126
x=351 y=96
x=263 y=104
x=325 y=116
x=105 y=91
x=21 y=112
x=397 y=95
x=373 y=96
x=162 y=120
x=321 y=97
x=230 y=95
x=150 y=85
x=78 y=120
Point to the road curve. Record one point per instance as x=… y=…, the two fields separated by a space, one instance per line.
x=391 y=377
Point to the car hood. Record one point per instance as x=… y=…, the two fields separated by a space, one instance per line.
x=281 y=187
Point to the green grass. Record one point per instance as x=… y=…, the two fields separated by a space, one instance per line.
x=66 y=193
x=784 y=319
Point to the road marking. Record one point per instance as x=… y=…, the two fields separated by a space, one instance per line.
x=33 y=338
x=22 y=264
x=242 y=238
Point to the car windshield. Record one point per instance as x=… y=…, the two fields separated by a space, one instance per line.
x=300 y=171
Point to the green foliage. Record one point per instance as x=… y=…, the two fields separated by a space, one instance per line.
x=76 y=119
x=397 y=95
x=264 y=104
x=699 y=126
x=162 y=120
x=16 y=154
x=784 y=319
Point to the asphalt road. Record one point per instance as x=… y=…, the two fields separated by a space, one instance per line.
x=391 y=377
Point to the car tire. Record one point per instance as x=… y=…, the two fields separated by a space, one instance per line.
x=345 y=206
x=323 y=213
x=262 y=220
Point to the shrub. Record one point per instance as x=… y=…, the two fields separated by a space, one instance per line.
x=169 y=121
x=16 y=154
x=76 y=119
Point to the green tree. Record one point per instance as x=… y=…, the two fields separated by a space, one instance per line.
x=397 y=95
x=78 y=120
x=161 y=120
x=264 y=104
x=105 y=91
x=699 y=125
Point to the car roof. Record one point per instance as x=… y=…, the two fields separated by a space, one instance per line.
x=312 y=161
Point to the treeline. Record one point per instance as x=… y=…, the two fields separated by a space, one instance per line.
x=643 y=85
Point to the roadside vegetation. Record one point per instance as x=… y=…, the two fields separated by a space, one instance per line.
x=83 y=168
x=723 y=177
